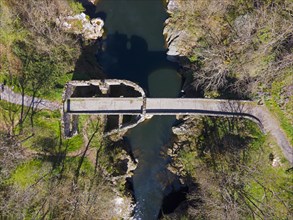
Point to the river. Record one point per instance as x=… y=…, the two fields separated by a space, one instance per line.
x=134 y=49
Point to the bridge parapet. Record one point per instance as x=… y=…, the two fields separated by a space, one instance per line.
x=176 y=106
x=184 y=106
x=103 y=85
x=70 y=115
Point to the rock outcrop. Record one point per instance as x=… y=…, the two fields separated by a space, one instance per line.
x=174 y=36
x=81 y=24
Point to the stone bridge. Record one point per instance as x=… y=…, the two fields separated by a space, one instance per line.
x=142 y=106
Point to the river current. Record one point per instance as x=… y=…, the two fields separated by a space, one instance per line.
x=134 y=49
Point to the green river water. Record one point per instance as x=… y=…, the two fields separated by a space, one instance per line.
x=134 y=49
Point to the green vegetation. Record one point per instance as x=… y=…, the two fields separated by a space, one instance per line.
x=237 y=49
x=230 y=162
x=42 y=174
x=240 y=44
x=11 y=29
x=111 y=154
x=52 y=170
x=280 y=102
x=45 y=168
x=44 y=131
x=36 y=69
x=28 y=173
x=75 y=6
x=285 y=123
x=51 y=181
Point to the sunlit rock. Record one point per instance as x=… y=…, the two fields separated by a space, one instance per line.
x=123 y=207
x=276 y=162
x=174 y=36
x=81 y=24
x=172 y=5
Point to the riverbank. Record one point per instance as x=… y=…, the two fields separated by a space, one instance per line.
x=202 y=153
x=136 y=52
x=43 y=174
x=217 y=168
x=191 y=65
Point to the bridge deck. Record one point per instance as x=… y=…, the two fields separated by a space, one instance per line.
x=184 y=106
x=104 y=105
x=153 y=106
x=169 y=106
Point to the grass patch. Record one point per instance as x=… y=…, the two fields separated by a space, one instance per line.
x=264 y=35
x=47 y=125
x=74 y=143
x=48 y=120
x=28 y=173
x=46 y=131
x=10 y=26
x=272 y=179
x=285 y=123
x=7 y=112
x=71 y=164
x=285 y=113
x=47 y=134
x=189 y=160
x=76 y=7
x=275 y=180
x=248 y=169
x=55 y=94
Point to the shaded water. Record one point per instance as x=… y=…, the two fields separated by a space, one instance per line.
x=134 y=50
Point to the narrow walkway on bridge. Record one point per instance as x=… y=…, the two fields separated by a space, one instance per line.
x=183 y=106
x=156 y=106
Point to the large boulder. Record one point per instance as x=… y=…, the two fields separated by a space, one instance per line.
x=174 y=35
x=81 y=24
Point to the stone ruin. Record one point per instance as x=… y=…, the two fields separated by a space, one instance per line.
x=100 y=88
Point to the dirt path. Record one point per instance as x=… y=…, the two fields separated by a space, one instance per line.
x=9 y=95
x=272 y=126
x=257 y=113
